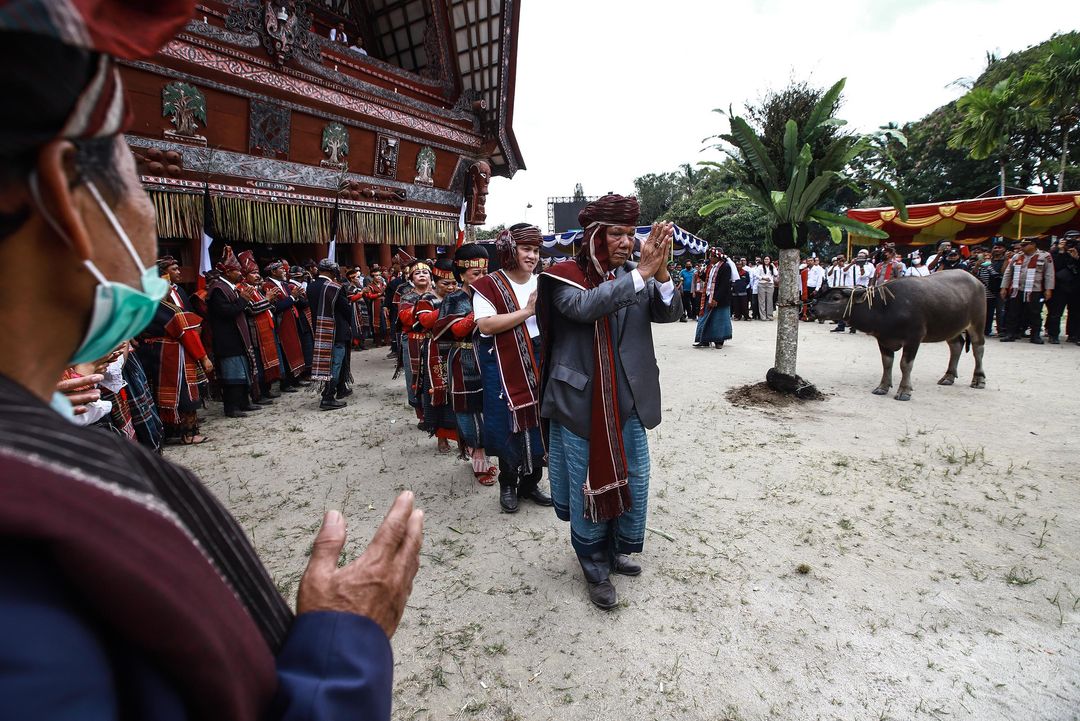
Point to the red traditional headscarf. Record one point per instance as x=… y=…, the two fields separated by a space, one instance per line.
x=594 y=217
x=506 y=244
x=247 y=262
x=228 y=261
x=128 y=29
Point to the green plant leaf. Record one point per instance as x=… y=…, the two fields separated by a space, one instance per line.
x=823 y=109
x=836 y=234
x=791 y=146
x=758 y=198
x=714 y=205
x=851 y=225
x=892 y=194
x=814 y=192
x=749 y=144
x=798 y=182
x=779 y=201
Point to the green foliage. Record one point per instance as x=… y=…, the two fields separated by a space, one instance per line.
x=490 y=233
x=656 y=193
x=1042 y=78
x=781 y=173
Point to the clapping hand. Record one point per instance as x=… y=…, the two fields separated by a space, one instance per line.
x=655 y=251
x=378 y=583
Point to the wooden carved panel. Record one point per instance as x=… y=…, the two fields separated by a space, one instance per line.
x=269 y=129
x=386 y=156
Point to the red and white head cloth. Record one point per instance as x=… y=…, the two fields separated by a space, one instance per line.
x=108 y=29
x=594 y=217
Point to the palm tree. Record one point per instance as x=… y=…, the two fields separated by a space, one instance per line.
x=789 y=192
x=1057 y=82
x=991 y=119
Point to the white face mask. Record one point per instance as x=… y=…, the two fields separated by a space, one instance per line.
x=120 y=312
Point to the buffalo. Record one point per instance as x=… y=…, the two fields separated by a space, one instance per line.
x=949 y=306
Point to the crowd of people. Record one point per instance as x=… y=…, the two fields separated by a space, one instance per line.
x=470 y=343
x=1029 y=292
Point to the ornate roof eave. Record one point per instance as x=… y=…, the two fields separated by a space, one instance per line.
x=507 y=139
x=485 y=41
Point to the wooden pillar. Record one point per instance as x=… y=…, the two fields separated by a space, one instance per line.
x=362 y=250
x=411 y=250
x=431 y=251
x=357 y=254
x=189 y=271
x=320 y=249
x=385 y=256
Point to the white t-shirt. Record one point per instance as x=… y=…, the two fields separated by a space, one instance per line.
x=483 y=309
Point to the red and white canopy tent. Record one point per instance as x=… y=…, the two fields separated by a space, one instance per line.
x=973 y=221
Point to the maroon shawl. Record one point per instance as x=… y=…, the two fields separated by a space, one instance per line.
x=518 y=368
x=607 y=487
x=148 y=551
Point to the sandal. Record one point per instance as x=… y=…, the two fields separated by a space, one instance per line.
x=487 y=478
x=193 y=439
x=444 y=445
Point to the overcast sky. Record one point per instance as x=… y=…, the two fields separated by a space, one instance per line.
x=608 y=90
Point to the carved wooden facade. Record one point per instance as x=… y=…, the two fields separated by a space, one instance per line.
x=294 y=135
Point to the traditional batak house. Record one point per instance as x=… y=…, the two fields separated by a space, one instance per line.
x=372 y=122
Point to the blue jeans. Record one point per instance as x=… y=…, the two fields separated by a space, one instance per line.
x=568 y=467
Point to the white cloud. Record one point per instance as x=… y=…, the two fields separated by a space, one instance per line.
x=610 y=90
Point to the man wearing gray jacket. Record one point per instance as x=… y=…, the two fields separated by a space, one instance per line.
x=600 y=386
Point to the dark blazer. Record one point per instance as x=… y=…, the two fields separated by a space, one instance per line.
x=223 y=322
x=343 y=315
x=566 y=384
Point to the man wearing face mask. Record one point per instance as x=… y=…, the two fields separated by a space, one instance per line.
x=126 y=589
x=600 y=385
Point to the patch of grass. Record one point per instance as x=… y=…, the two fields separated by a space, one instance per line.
x=1021 y=576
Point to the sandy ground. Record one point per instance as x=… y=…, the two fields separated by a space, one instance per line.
x=939 y=540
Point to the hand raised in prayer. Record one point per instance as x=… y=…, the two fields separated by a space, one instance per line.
x=654 y=252
x=378 y=583
x=81 y=390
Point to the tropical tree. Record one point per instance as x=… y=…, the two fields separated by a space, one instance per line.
x=993 y=118
x=1057 y=83
x=789 y=180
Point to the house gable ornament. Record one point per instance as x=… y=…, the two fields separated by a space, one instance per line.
x=425 y=166
x=284 y=26
x=270 y=126
x=185 y=106
x=386 y=156
x=335 y=143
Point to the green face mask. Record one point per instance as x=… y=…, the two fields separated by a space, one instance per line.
x=120 y=311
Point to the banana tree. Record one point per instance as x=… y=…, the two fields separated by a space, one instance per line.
x=790 y=193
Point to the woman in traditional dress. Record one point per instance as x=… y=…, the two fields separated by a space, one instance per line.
x=418 y=285
x=431 y=385
x=463 y=369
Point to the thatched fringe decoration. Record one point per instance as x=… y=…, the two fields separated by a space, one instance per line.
x=362 y=227
x=179 y=215
x=243 y=220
